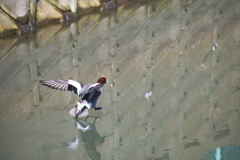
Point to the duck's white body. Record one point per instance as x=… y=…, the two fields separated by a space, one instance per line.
x=73 y=112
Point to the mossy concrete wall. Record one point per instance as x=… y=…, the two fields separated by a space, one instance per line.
x=25 y=15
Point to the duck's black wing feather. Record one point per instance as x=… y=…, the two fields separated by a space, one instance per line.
x=63 y=85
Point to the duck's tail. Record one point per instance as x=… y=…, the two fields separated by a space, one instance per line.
x=83 y=114
x=73 y=112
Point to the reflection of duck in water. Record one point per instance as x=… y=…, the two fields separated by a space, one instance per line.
x=88 y=94
x=89 y=136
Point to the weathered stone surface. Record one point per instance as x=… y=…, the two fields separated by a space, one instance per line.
x=46 y=11
x=74 y=6
x=95 y=3
x=6 y=23
x=87 y=4
x=32 y=12
x=16 y=9
x=62 y=4
x=71 y=5
x=83 y=4
x=109 y=5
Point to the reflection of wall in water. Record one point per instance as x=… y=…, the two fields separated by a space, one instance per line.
x=171 y=56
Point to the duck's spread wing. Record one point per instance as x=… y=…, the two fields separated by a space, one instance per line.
x=95 y=86
x=63 y=85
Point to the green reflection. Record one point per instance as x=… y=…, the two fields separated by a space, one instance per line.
x=227 y=152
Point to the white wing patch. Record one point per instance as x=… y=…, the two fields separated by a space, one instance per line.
x=92 y=85
x=75 y=84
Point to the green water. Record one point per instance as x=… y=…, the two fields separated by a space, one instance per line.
x=173 y=94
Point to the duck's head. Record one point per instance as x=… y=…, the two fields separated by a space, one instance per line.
x=102 y=80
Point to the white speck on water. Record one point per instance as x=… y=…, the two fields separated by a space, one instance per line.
x=180 y=52
x=111 y=85
x=147 y=95
x=215 y=46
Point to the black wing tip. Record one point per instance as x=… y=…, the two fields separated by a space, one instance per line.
x=42 y=82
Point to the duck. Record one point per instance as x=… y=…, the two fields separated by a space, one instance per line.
x=88 y=93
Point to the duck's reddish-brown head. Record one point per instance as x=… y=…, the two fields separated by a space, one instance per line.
x=102 y=80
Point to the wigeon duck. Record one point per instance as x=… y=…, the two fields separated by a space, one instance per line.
x=88 y=94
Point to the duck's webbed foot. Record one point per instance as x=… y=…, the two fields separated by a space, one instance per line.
x=98 y=108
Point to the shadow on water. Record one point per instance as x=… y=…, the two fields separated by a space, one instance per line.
x=88 y=135
x=173 y=68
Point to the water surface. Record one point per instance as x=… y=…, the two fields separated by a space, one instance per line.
x=173 y=68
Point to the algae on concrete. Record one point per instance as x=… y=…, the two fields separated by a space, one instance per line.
x=46 y=11
x=6 y=23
